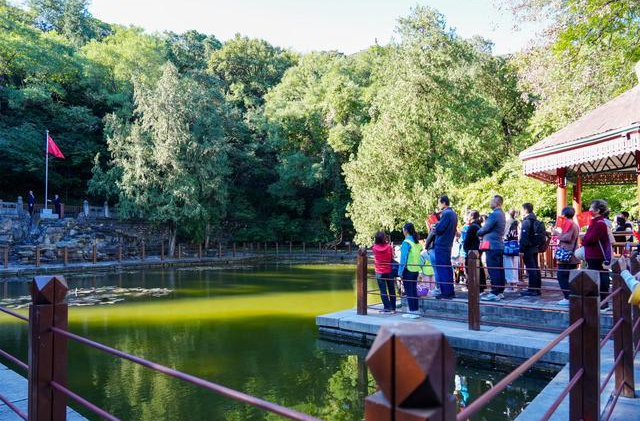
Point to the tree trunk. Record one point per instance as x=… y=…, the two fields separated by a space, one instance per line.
x=172 y=239
x=207 y=236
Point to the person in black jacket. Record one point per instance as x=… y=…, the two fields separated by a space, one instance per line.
x=529 y=250
x=471 y=242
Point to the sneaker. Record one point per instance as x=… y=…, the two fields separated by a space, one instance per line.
x=434 y=292
x=606 y=309
x=501 y=296
x=482 y=294
x=490 y=297
x=410 y=316
x=563 y=302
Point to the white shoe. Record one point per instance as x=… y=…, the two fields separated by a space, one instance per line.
x=434 y=292
x=482 y=294
x=491 y=297
x=509 y=290
x=501 y=296
x=410 y=316
x=563 y=302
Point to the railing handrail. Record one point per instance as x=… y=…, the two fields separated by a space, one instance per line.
x=214 y=387
x=482 y=400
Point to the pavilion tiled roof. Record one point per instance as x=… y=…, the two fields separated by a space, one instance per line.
x=602 y=145
x=621 y=112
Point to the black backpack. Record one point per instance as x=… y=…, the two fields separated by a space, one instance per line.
x=541 y=237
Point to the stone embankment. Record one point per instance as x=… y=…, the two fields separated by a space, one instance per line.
x=22 y=235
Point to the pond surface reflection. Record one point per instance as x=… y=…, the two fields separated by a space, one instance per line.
x=248 y=328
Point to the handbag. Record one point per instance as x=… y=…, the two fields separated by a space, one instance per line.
x=511 y=248
x=579 y=253
x=562 y=255
x=485 y=245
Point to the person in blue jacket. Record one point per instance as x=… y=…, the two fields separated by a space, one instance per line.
x=445 y=230
x=493 y=232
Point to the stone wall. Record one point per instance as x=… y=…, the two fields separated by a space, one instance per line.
x=77 y=234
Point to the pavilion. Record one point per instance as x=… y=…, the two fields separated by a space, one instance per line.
x=602 y=147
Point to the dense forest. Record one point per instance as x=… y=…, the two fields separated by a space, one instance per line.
x=248 y=140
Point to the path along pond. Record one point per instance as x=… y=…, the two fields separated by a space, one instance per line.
x=247 y=327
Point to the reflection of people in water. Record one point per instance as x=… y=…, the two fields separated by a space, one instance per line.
x=461 y=391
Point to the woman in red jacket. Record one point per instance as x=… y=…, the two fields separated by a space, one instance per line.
x=597 y=248
x=383 y=259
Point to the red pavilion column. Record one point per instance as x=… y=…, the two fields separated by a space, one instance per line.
x=577 y=194
x=561 y=182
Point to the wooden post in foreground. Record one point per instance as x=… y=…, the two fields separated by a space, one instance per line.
x=65 y=255
x=361 y=282
x=473 y=287
x=47 y=351
x=584 y=344
x=623 y=337
x=414 y=368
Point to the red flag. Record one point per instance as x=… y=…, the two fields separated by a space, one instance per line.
x=53 y=148
x=584 y=218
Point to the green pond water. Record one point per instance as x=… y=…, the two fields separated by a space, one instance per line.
x=248 y=328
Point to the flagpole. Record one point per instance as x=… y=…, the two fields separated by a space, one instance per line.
x=46 y=169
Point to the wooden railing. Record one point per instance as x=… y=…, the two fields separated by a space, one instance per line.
x=47 y=368
x=585 y=345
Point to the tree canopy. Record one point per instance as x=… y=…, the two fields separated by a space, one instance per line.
x=246 y=140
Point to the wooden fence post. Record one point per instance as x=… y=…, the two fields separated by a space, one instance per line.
x=161 y=250
x=623 y=337
x=65 y=255
x=5 y=257
x=37 y=256
x=95 y=252
x=349 y=247
x=361 y=281
x=473 y=288
x=414 y=368
x=47 y=351
x=143 y=251
x=584 y=344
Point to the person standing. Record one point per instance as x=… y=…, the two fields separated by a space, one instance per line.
x=565 y=254
x=31 y=200
x=492 y=233
x=57 y=204
x=471 y=241
x=445 y=231
x=597 y=249
x=383 y=261
x=511 y=257
x=529 y=249
x=410 y=267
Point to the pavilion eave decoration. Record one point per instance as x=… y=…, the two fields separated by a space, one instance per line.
x=607 y=158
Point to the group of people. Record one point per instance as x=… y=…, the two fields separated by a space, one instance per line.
x=31 y=203
x=500 y=239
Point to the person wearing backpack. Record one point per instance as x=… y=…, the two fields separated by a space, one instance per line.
x=409 y=268
x=532 y=238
